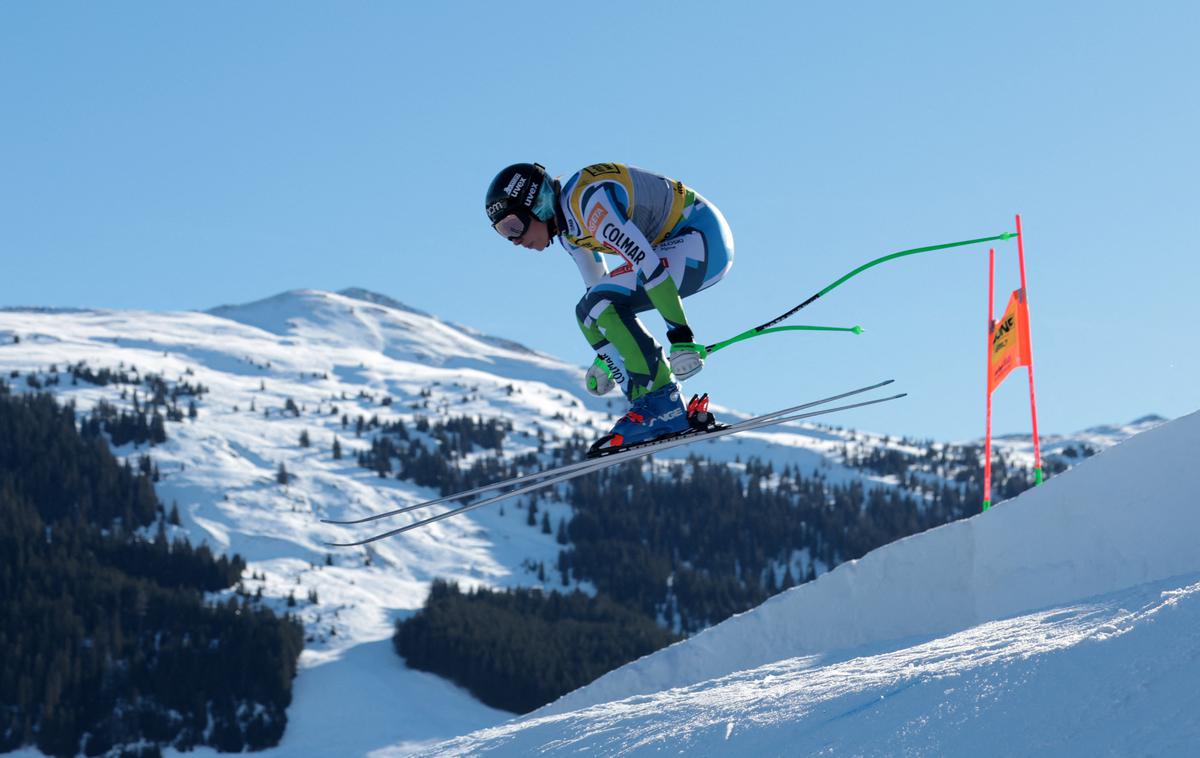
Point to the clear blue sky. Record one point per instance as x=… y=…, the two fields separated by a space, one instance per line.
x=186 y=155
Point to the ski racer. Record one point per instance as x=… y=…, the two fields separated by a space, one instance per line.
x=641 y=241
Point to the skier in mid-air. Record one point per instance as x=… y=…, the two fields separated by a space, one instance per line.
x=668 y=243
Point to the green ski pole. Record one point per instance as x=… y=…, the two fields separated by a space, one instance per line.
x=769 y=327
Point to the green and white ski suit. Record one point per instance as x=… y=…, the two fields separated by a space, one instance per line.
x=665 y=242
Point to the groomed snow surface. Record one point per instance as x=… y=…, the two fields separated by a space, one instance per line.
x=1064 y=622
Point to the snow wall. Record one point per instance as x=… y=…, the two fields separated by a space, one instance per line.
x=1125 y=517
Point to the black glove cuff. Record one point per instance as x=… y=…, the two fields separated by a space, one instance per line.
x=681 y=334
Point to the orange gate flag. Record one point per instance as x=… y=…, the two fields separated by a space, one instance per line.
x=1011 y=346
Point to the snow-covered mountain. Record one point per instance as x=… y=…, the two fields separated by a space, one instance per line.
x=1064 y=622
x=334 y=357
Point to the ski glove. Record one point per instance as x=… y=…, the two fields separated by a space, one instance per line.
x=597 y=379
x=686 y=360
x=685 y=363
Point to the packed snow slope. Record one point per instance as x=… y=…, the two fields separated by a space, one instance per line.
x=1063 y=622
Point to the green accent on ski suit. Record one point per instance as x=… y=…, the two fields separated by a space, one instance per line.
x=670 y=243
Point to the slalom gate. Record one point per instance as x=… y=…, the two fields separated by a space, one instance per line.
x=1009 y=346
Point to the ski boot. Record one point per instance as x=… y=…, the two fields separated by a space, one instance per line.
x=652 y=416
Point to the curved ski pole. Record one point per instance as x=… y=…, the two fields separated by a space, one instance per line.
x=762 y=328
x=707 y=350
x=534 y=476
x=611 y=461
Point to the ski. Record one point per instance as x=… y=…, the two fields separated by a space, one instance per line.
x=586 y=463
x=615 y=458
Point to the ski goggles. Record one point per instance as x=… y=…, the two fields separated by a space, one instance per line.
x=513 y=225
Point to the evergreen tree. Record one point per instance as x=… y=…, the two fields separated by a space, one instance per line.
x=158 y=429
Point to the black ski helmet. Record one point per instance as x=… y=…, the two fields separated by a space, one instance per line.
x=524 y=190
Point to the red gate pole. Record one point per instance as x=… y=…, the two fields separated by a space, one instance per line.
x=1037 y=445
x=991 y=328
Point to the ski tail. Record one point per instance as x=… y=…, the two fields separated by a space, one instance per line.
x=515 y=481
x=627 y=455
x=525 y=479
